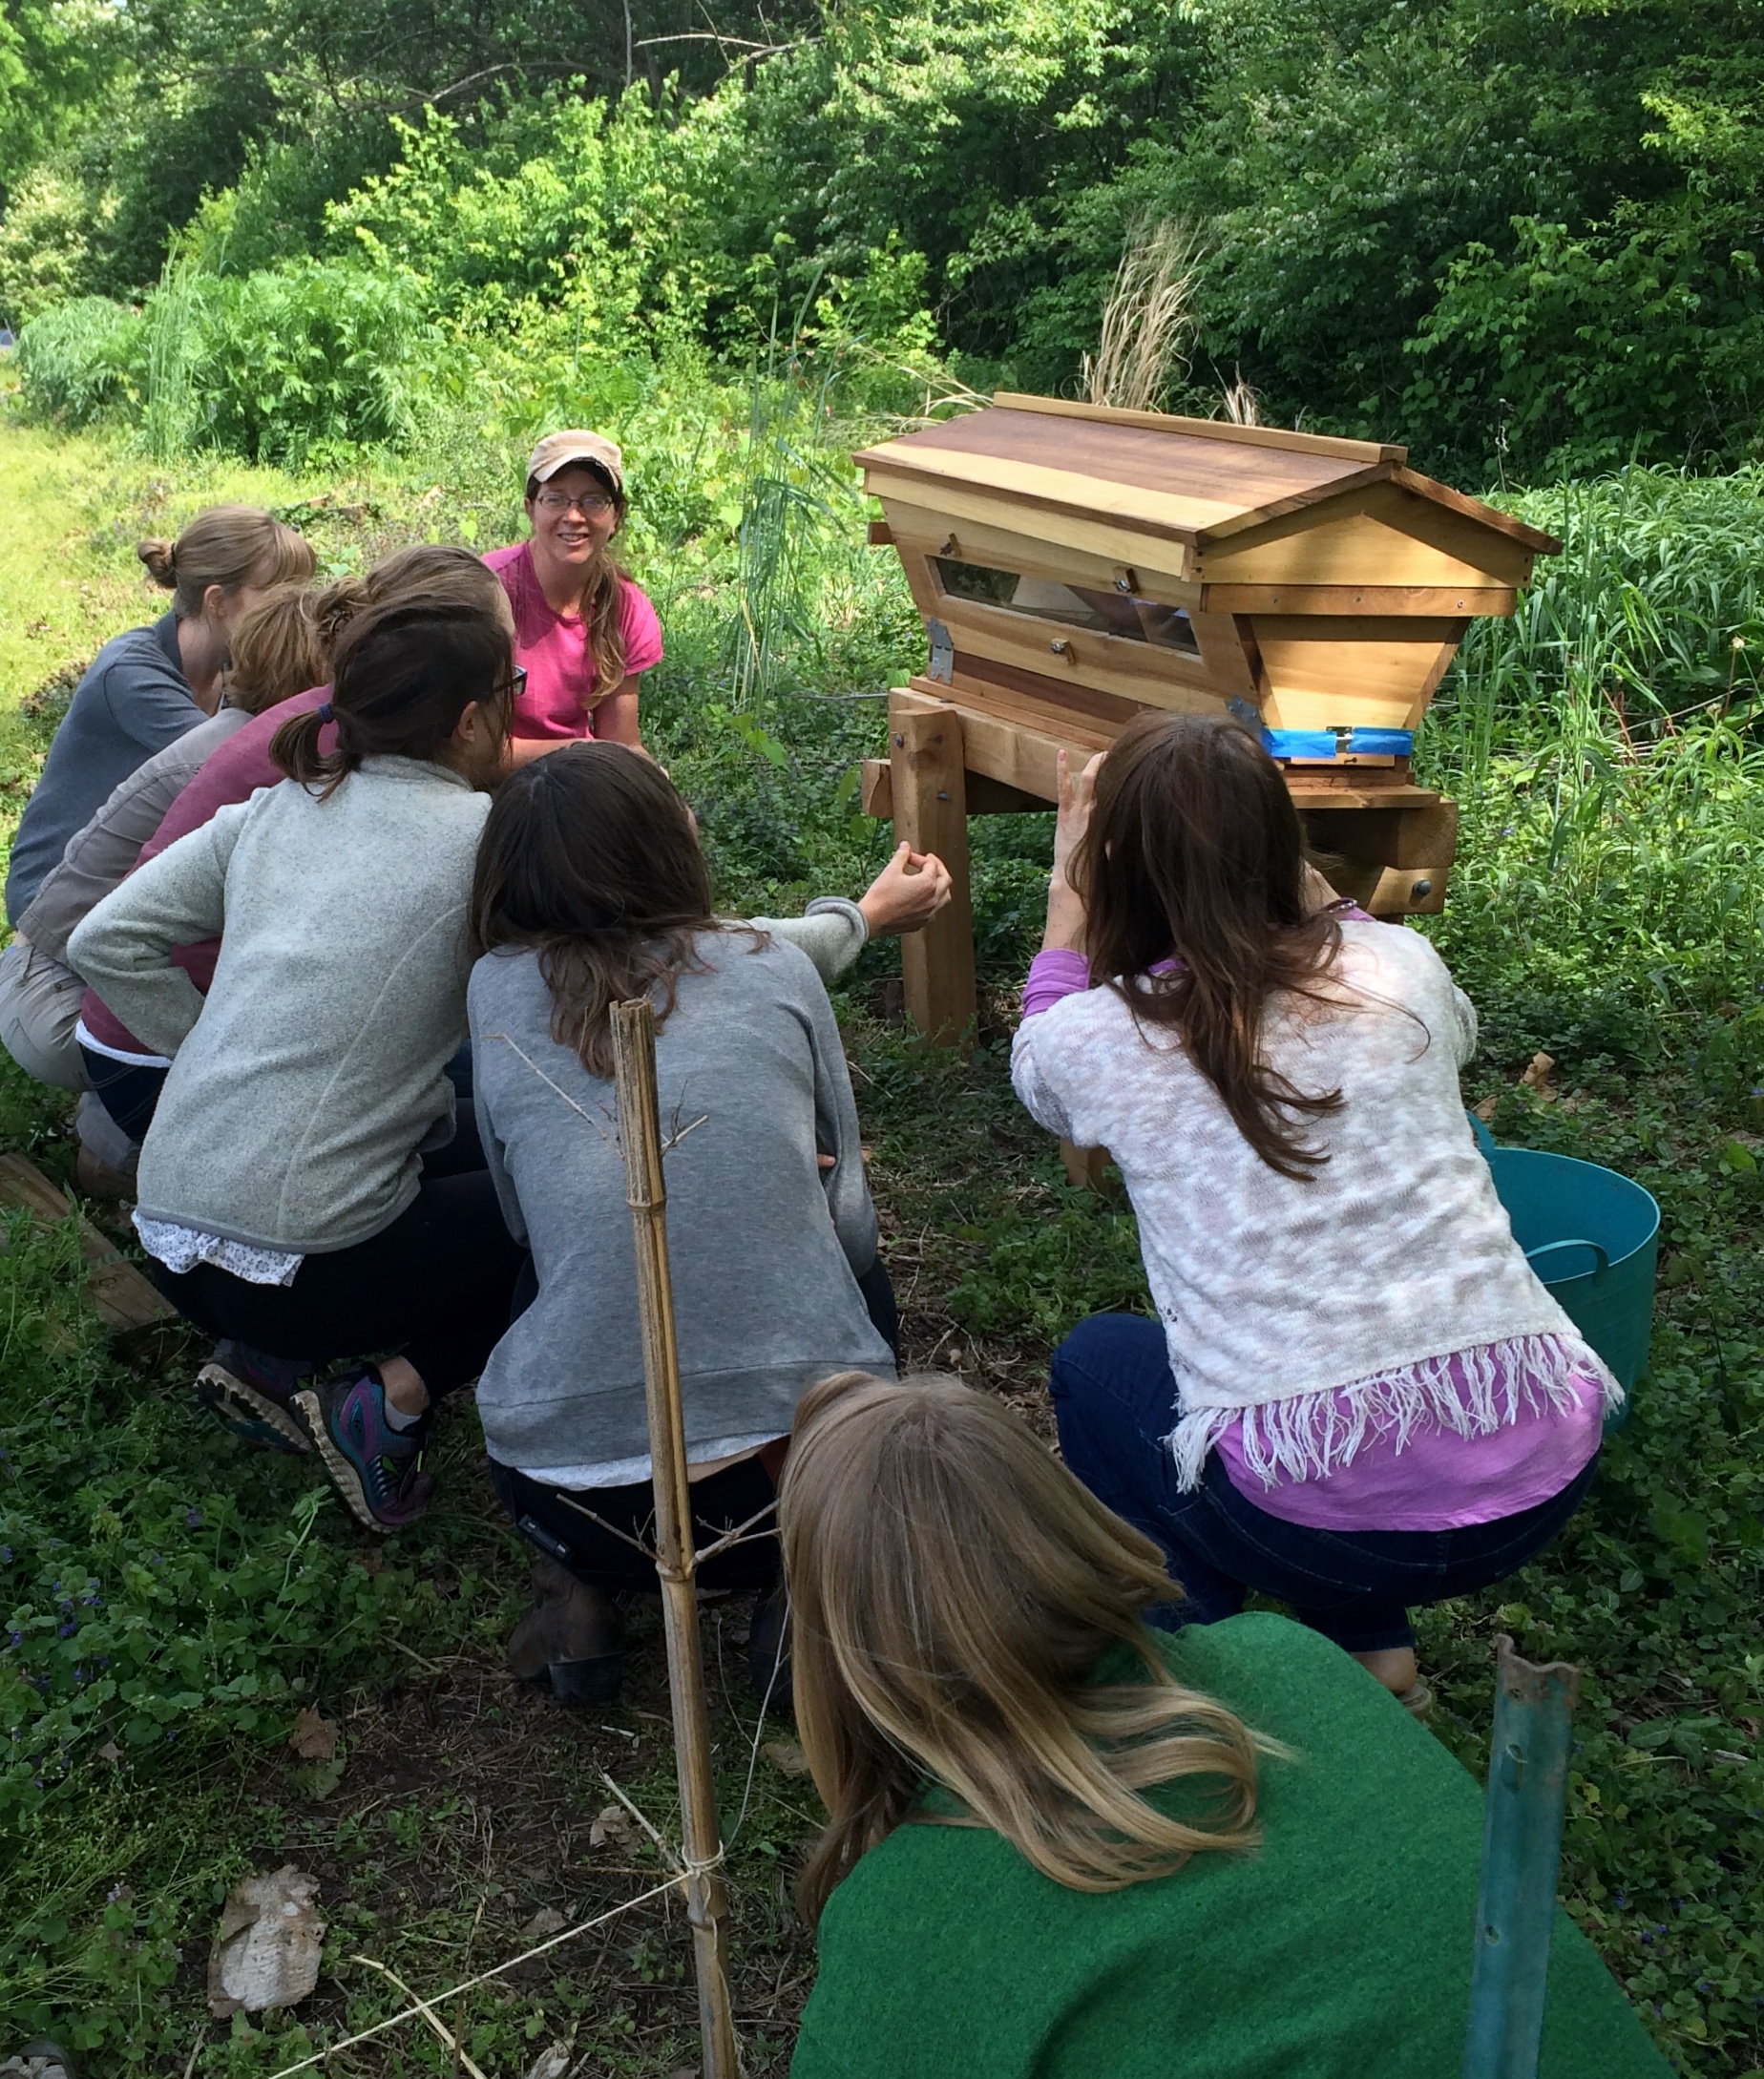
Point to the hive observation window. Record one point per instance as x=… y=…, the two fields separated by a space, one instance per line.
x=1074 y=606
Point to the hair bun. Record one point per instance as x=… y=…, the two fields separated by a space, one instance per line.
x=162 y=560
x=336 y=605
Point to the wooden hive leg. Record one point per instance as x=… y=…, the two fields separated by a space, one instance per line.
x=930 y=813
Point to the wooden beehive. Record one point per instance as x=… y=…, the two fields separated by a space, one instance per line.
x=1076 y=565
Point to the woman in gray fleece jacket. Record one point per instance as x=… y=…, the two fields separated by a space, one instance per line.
x=297 y=1186
x=591 y=890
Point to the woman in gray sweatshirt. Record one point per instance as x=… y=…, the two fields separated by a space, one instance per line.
x=591 y=890
x=298 y=1189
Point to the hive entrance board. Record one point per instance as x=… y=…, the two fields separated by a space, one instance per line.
x=1075 y=566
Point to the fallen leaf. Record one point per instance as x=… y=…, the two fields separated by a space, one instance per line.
x=547 y=1920
x=109 y=1752
x=786 y=1755
x=319 y=1778
x=370 y=1562
x=612 y=1825
x=1538 y=1075
x=551 y=2064
x=1486 y=1109
x=313 y=1738
x=267 y=1947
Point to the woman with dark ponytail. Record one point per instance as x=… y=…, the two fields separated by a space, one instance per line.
x=298 y=1188
x=123 y=1071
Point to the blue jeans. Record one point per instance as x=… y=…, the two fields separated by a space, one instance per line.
x=1115 y=1401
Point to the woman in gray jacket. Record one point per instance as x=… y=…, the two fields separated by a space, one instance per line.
x=300 y=1188
x=591 y=890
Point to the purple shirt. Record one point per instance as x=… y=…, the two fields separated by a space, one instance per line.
x=1435 y=1479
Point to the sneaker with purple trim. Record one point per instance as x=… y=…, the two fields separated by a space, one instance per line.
x=252 y=1394
x=377 y=1469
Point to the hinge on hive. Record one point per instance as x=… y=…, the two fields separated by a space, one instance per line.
x=942 y=666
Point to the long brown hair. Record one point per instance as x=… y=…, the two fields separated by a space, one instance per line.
x=952 y=1590
x=603 y=583
x=229 y=546
x=589 y=858
x=1195 y=854
x=403 y=674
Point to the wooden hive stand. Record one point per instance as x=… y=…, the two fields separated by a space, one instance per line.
x=1076 y=565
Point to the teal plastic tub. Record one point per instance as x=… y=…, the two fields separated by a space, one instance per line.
x=1593 y=1237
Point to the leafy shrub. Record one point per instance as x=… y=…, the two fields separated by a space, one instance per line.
x=594 y=211
x=45 y=243
x=309 y=352
x=79 y=357
x=1629 y=344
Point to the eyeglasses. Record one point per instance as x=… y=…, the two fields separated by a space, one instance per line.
x=590 y=507
x=514 y=685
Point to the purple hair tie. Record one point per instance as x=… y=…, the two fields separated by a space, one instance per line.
x=325 y=713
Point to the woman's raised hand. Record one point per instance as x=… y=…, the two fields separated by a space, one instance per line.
x=1077 y=797
x=907 y=893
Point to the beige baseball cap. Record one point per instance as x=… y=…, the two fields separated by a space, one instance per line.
x=558 y=451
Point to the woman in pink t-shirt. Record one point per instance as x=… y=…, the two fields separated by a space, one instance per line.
x=583 y=632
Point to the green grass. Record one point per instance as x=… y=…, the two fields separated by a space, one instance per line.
x=1605 y=908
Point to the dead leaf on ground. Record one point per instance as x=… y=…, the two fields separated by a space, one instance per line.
x=786 y=1755
x=547 y=1920
x=109 y=1752
x=1486 y=1109
x=314 y=1738
x=1539 y=1076
x=267 y=1947
x=612 y=1824
x=552 y=2063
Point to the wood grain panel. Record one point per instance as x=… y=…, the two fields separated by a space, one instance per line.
x=1167 y=550
x=1222 y=430
x=1071 y=493
x=1136 y=671
x=1419 y=599
x=1433 y=545
x=1239 y=477
x=1324 y=673
x=1425 y=836
x=983 y=679
x=929 y=809
x=925 y=532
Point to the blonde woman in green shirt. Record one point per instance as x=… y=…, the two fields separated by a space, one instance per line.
x=1062 y=1845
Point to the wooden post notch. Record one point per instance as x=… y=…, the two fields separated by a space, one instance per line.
x=639 y=1133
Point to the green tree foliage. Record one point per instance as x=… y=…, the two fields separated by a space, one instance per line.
x=1524 y=235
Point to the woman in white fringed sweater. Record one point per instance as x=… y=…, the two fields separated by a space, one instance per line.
x=1357 y=1396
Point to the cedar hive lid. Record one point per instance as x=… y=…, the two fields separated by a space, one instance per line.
x=1315 y=585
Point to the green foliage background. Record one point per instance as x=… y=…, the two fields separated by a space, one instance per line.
x=1523 y=235
x=347 y=260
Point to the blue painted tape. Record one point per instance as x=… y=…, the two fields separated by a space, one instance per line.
x=1337 y=743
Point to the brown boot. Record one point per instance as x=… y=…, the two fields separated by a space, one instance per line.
x=574 y=1632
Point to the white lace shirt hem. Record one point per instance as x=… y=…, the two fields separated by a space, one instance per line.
x=181 y=1249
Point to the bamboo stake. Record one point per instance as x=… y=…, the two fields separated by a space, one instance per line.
x=640 y=1132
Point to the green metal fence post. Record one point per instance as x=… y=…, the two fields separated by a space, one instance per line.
x=1522 y=1848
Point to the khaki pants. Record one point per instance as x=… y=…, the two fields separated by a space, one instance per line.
x=39 y=1008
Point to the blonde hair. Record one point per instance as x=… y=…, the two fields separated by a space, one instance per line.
x=279 y=649
x=603 y=583
x=439 y=571
x=952 y=1590
x=229 y=546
